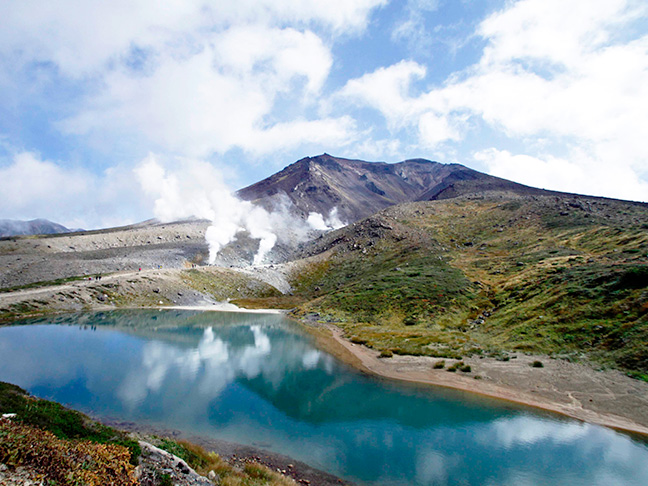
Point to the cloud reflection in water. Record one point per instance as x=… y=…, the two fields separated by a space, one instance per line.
x=212 y=365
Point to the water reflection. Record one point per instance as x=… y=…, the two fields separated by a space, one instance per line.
x=214 y=363
x=254 y=379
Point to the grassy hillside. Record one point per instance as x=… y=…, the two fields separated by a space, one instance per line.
x=563 y=276
x=64 y=447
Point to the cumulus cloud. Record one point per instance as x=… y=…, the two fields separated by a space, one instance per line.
x=388 y=90
x=574 y=74
x=194 y=78
x=579 y=170
x=220 y=97
x=35 y=188
x=81 y=37
x=412 y=29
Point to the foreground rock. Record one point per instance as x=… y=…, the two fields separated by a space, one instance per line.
x=156 y=463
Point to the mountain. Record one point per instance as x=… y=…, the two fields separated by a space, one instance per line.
x=11 y=227
x=358 y=188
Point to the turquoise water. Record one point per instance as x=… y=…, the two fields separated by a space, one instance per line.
x=256 y=379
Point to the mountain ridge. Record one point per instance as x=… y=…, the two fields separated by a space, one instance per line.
x=14 y=227
x=358 y=189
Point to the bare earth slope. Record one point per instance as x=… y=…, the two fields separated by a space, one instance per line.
x=25 y=260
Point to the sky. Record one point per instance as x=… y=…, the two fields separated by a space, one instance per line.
x=103 y=103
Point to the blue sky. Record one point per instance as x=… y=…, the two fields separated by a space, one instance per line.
x=551 y=93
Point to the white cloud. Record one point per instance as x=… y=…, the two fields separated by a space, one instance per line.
x=435 y=129
x=413 y=30
x=572 y=73
x=81 y=36
x=389 y=91
x=220 y=97
x=194 y=77
x=276 y=55
x=34 y=188
x=553 y=31
x=579 y=173
x=30 y=182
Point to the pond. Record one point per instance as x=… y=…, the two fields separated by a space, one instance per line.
x=256 y=379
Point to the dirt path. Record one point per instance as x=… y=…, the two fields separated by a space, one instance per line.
x=606 y=398
x=22 y=294
x=7 y=298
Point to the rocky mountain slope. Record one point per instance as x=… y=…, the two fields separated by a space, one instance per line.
x=358 y=188
x=148 y=245
x=12 y=227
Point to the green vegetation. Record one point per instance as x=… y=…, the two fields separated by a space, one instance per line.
x=225 y=284
x=537 y=364
x=64 y=462
x=60 y=421
x=459 y=365
x=192 y=455
x=46 y=283
x=68 y=448
x=252 y=473
x=452 y=278
x=555 y=275
x=65 y=446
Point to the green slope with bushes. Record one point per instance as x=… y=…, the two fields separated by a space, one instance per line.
x=565 y=276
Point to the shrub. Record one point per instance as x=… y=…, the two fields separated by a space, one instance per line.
x=633 y=278
x=455 y=366
x=409 y=321
x=386 y=353
x=537 y=364
x=64 y=462
x=439 y=365
x=465 y=368
x=165 y=480
x=62 y=422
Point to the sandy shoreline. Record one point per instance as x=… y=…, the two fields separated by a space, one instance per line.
x=573 y=390
x=222 y=307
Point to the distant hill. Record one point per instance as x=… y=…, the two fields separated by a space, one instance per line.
x=358 y=188
x=12 y=227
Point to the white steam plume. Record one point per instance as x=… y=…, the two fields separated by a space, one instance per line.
x=196 y=189
x=317 y=221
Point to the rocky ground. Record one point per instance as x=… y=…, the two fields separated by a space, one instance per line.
x=155 y=462
x=46 y=258
x=20 y=476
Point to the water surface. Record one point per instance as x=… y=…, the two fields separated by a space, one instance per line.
x=256 y=379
